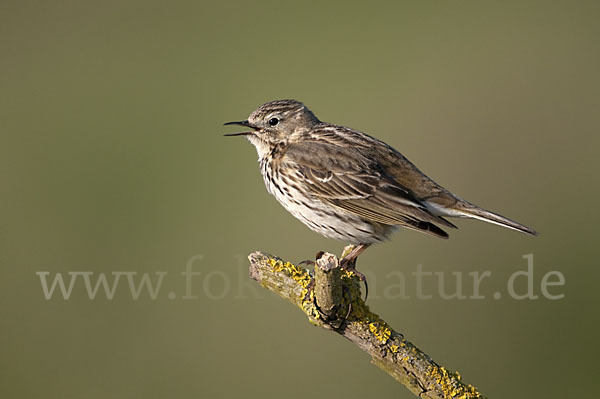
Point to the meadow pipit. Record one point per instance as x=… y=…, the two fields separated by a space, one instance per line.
x=347 y=185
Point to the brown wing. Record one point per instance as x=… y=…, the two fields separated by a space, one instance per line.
x=356 y=182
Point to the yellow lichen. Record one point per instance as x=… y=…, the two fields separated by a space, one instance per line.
x=346 y=274
x=394 y=348
x=303 y=278
x=298 y=274
x=451 y=385
x=381 y=331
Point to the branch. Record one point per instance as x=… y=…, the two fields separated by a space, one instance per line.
x=335 y=304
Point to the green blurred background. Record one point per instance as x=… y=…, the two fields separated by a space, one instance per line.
x=112 y=159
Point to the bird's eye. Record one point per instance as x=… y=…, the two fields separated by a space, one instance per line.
x=273 y=121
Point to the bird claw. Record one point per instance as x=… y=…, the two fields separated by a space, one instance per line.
x=310 y=288
x=312 y=262
x=306 y=262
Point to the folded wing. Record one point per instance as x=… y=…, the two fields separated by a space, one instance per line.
x=355 y=183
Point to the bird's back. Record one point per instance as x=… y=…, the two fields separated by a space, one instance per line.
x=387 y=160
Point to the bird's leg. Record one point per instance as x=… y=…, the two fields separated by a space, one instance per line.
x=348 y=263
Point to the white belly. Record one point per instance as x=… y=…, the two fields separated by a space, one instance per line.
x=325 y=219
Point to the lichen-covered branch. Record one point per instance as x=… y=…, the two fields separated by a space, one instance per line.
x=334 y=302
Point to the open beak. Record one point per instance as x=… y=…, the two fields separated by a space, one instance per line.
x=240 y=123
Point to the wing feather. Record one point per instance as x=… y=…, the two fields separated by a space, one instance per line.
x=356 y=183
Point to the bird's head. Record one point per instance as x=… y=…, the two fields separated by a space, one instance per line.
x=276 y=122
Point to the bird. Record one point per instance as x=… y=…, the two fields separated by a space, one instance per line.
x=347 y=185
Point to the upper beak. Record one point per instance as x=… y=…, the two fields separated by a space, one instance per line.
x=240 y=123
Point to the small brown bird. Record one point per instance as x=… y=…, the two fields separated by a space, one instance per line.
x=347 y=185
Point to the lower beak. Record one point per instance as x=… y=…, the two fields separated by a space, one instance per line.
x=238 y=134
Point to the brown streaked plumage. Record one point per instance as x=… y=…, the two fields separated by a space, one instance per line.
x=347 y=185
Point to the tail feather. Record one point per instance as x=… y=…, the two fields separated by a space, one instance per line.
x=472 y=211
